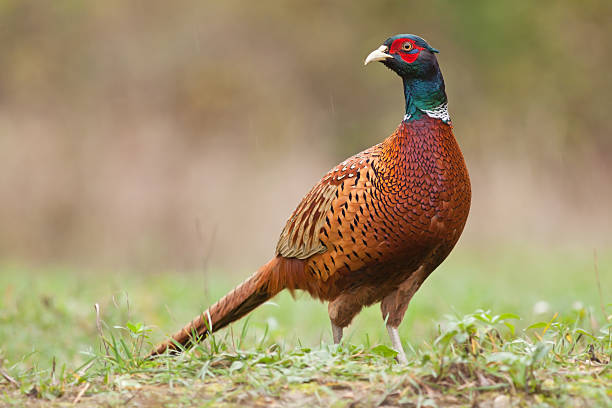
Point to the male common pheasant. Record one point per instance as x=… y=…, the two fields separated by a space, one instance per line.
x=377 y=224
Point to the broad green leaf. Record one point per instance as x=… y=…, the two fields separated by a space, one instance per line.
x=384 y=351
x=502 y=357
x=236 y=365
x=540 y=352
x=506 y=316
x=537 y=325
x=445 y=338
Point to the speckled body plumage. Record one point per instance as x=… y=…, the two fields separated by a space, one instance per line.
x=396 y=207
x=370 y=231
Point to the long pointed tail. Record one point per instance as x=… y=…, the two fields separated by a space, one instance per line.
x=261 y=286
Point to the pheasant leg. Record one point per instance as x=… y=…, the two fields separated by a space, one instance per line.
x=337 y=333
x=396 y=343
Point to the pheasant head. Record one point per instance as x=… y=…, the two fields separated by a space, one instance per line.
x=414 y=60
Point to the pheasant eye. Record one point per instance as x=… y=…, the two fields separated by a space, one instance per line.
x=407 y=46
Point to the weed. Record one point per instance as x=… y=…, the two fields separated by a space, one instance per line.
x=95 y=356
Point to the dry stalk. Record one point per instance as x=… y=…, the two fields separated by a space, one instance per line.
x=82 y=391
x=99 y=326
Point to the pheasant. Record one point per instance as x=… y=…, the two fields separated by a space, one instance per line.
x=376 y=225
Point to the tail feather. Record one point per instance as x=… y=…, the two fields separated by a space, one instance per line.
x=261 y=286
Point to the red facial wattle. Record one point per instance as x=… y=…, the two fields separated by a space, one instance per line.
x=409 y=56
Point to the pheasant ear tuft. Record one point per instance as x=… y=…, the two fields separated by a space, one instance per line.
x=432 y=49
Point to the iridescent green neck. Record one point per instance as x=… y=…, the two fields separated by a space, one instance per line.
x=425 y=97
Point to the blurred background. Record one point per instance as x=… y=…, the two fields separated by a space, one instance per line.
x=154 y=136
x=151 y=152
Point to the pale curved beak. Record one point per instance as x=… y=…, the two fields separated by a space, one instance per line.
x=379 y=54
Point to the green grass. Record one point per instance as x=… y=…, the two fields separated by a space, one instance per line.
x=557 y=353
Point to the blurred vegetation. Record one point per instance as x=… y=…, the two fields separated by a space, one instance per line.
x=150 y=134
x=50 y=312
x=543 y=343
